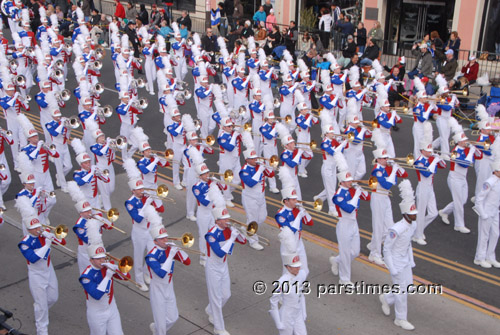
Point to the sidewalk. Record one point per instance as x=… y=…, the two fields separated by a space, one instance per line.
x=245 y=312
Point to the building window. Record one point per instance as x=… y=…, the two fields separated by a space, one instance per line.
x=490 y=26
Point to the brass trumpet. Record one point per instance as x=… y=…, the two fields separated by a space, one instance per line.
x=250 y=229
x=95 y=217
x=287 y=119
x=112 y=214
x=317 y=204
x=228 y=175
x=273 y=160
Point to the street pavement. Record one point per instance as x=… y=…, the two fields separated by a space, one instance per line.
x=472 y=296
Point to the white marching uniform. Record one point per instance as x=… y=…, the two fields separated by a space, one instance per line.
x=59 y=135
x=487 y=205
x=288 y=103
x=5 y=174
x=329 y=167
x=269 y=148
x=181 y=68
x=11 y=108
x=229 y=158
x=421 y=114
x=104 y=157
x=354 y=154
x=442 y=123
x=398 y=256
x=290 y=317
x=483 y=166
x=150 y=67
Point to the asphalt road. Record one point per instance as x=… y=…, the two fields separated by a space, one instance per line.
x=447 y=259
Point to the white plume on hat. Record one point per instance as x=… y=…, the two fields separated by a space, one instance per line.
x=131 y=168
x=5 y=74
x=115 y=38
x=195 y=50
x=143 y=32
x=382 y=95
x=325 y=79
x=222 y=47
x=137 y=137
x=54 y=22
x=251 y=42
x=84 y=32
x=79 y=14
x=284 y=69
x=52 y=33
x=241 y=59
x=407 y=196
x=340 y=161
x=282 y=131
x=378 y=139
x=75 y=192
x=25 y=164
x=152 y=216
x=483 y=80
x=481 y=113
x=221 y=108
x=285 y=178
x=25 y=207
x=352 y=107
x=41 y=67
x=255 y=80
x=123 y=83
x=187 y=122
x=91 y=125
x=377 y=67
x=287 y=56
x=326 y=121
x=418 y=84
x=262 y=56
x=331 y=58
x=441 y=82
x=125 y=41
x=25 y=123
x=94 y=231
x=302 y=66
x=299 y=97
x=267 y=100
x=25 y=15
x=77 y=67
x=196 y=39
x=353 y=74
x=427 y=138
x=215 y=196
x=78 y=146
x=246 y=138
x=288 y=240
x=455 y=127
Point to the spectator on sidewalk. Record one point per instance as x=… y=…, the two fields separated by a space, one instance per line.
x=360 y=34
x=291 y=36
x=349 y=49
x=377 y=34
x=471 y=70
x=449 y=65
x=229 y=11
x=155 y=17
x=120 y=11
x=346 y=29
x=371 y=53
x=185 y=20
x=131 y=12
x=261 y=36
x=424 y=65
x=270 y=20
x=247 y=30
x=273 y=40
x=238 y=10
x=317 y=45
x=454 y=43
x=166 y=31
x=268 y=7
x=437 y=41
x=259 y=16
x=86 y=9
x=143 y=15
x=305 y=42
x=325 y=27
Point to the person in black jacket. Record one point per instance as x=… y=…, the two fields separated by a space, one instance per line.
x=350 y=48
x=371 y=52
x=290 y=36
x=132 y=37
x=143 y=15
x=247 y=30
x=229 y=10
x=209 y=44
x=360 y=34
x=185 y=20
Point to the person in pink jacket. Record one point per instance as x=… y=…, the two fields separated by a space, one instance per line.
x=270 y=20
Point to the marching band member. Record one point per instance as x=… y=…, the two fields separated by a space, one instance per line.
x=253 y=179
x=166 y=100
x=421 y=113
x=290 y=317
x=229 y=141
x=269 y=148
x=141 y=238
x=179 y=47
x=346 y=200
x=13 y=11
x=466 y=155
x=288 y=103
x=46 y=101
x=148 y=165
x=426 y=165
x=205 y=98
x=178 y=137
x=23 y=59
x=354 y=152
x=483 y=166
x=380 y=203
x=487 y=203
x=36 y=248
x=86 y=228
x=148 y=52
x=160 y=261
x=220 y=243
x=290 y=219
x=228 y=70
x=194 y=157
x=89 y=112
x=291 y=156
x=59 y=135
x=266 y=75
x=127 y=111
x=386 y=119
x=5 y=176
x=338 y=81
x=88 y=174
x=36 y=153
x=97 y=280
x=398 y=256
x=329 y=102
x=356 y=92
x=104 y=154
x=305 y=120
x=444 y=113
x=241 y=89
x=11 y=105
x=256 y=108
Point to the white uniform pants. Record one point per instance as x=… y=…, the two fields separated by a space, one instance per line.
x=163 y=305
x=294 y=323
x=44 y=290
x=181 y=68
x=142 y=242
x=381 y=221
x=426 y=200
x=268 y=150
x=487 y=238
x=255 y=209
x=233 y=164
x=483 y=172
x=349 y=246
x=103 y=318
x=17 y=136
x=178 y=157
x=329 y=175
x=82 y=257
x=205 y=221
x=150 y=68
x=63 y=164
x=190 y=177
x=400 y=300
x=219 y=289
x=418 y=135
x=44 y=181
x=356 y=161
x=4 y=184
x=106 y=189
x=459 y=191
x=442 y=142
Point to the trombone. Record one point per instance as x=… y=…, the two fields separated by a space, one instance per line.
x=228 y=175
x=407 y=162
x=250 y=229
x=97 y=89
x=351 y=137
x=210 y=140
x=95 y=217
x=161 y=193
x=187 y=241
x=370 y=185
x=112 y=214
x=373 y=124
x=486 y=144
x=167 y=154
x=287 y=119
x=125 y=265
x=313 y=145
x=464 y=91
x=246 y=127
x=317 y=204
x=60 y=232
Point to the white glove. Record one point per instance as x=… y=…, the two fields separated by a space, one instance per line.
x=234 y=234
x=111 y=268
x=49 y=236
x=92 y=169
x=39 y=144
x=16 y=95
x=41 y=252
